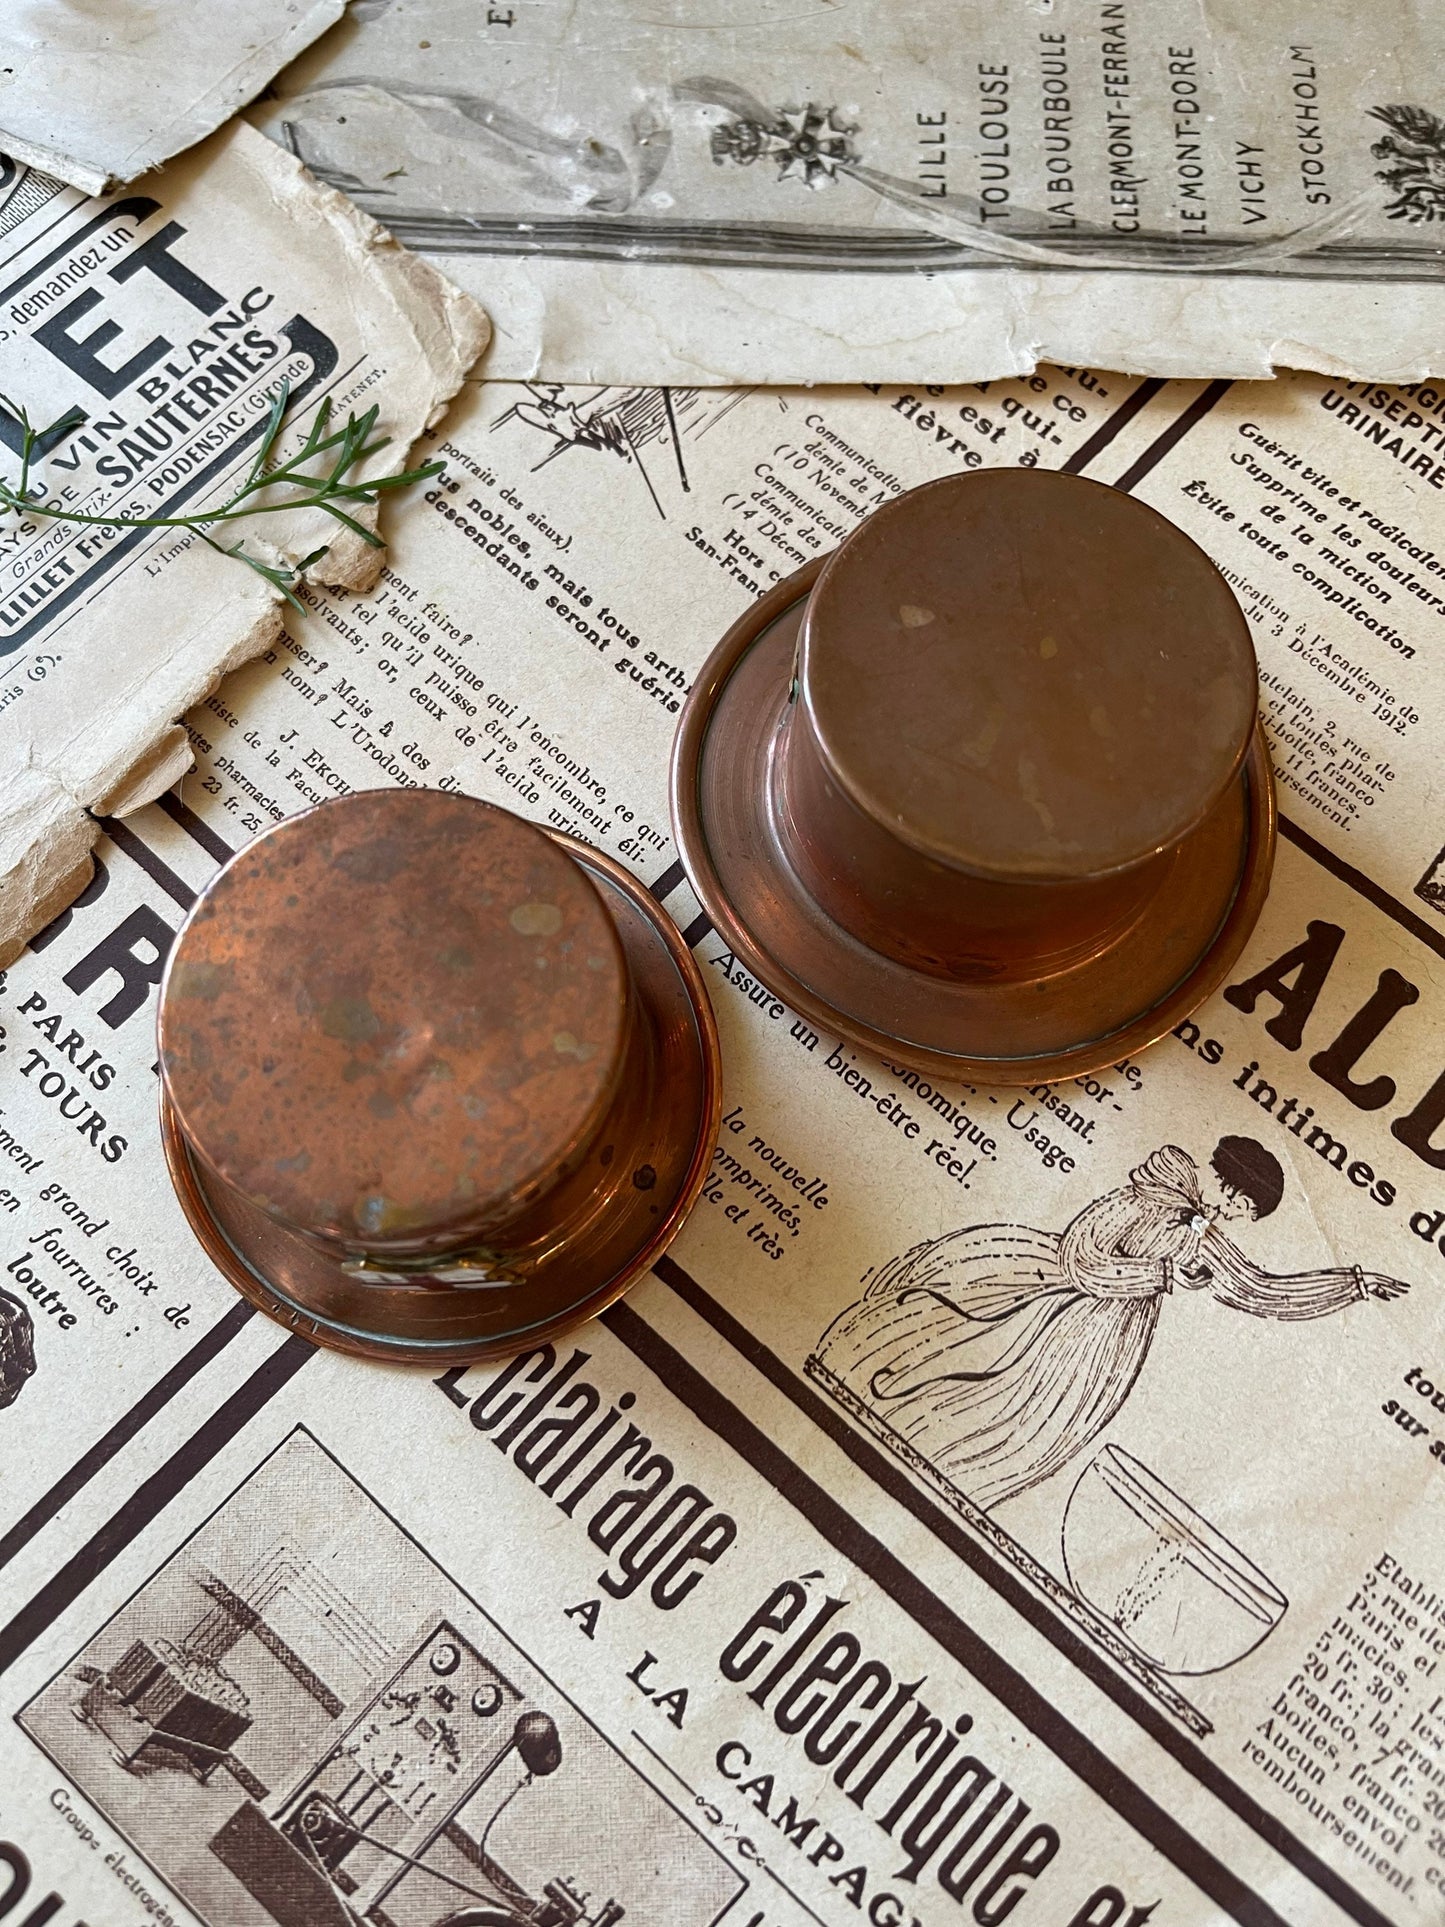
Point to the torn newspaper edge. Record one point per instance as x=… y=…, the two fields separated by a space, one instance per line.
x=942 y=193
x=169 y=319
x=97 y=96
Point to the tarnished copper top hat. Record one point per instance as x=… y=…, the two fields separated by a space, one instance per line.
x=985 y=790
x=435 y=1082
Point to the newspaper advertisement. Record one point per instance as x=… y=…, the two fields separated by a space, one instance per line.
x=775 y=1621
x=97 y=96
x=146 y=337
x=732 y=191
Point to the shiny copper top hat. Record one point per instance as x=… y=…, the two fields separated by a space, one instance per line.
x=435 y=1082
x=985 y=790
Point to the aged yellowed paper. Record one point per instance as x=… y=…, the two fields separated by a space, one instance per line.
x=99 y=94
x=169 y=318
x=733 y=191
x=882 y=1557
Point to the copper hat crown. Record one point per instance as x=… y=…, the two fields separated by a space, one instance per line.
x=433 y=1080
x=985 y=789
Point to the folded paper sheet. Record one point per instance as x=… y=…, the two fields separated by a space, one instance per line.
x=1001 y=1505
x=99 y=94
x=169 y=318
x=756 y=192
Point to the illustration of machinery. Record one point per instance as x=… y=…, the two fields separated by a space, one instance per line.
x=387 y=1819
x=163 y=1700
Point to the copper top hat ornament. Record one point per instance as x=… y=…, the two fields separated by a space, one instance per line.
x=985 y=790
x=436 y=1083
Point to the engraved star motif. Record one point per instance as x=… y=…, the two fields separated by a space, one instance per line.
x=816 y=144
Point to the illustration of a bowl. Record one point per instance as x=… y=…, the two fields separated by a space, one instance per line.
x=1179 y=1591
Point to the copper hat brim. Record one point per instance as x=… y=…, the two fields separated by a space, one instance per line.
x=727 y=839
x=634 y=1221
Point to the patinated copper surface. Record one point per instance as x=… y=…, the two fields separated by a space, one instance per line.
x=984 y=791
x=434 y=1080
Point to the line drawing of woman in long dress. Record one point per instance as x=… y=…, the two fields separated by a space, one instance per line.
x=998 y=1352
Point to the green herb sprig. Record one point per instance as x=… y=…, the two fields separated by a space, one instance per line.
x=329 y=489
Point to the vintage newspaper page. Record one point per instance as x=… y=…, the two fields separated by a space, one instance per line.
x=99 y=94
x=734 y=1609
x=715 y=191
x=169 y=318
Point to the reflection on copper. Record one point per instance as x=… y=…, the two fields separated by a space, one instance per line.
x=435 y=1082
x=985 y=791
